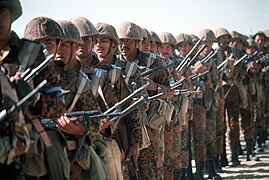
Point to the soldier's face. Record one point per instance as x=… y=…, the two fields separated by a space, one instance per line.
x=153 y=47
x=165 y=50
x=250 y=50
x=66 y=52
x=260 y=41
x=51 y=45
x=102 y=46
x=183 y=48
x=237 y=43
x=5 y=22
x=223 y=41
x=208 y=47
x=145 y=46
x=85 y=48
x=127 y=47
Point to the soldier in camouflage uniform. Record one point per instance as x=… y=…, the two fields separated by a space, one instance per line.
x=181 y=163
x=260 y=121
x=231 y=93
x=48 y=32
x=166 y=49
x=105 y=43
x=86 y=163
x=150 y=167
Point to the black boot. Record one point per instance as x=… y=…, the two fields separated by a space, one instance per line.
x=235 y=160
x=199 y=174
x=217 y=166
x=223 y=158
x=211 y=172
x=190 y=173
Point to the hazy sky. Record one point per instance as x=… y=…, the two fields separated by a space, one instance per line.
x=174 y=16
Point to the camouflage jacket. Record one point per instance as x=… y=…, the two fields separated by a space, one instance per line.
x=14 y=58
x=13 y=131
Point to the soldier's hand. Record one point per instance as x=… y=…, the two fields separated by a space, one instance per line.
x=230 y=62
x=153 y=86
x=66 y=125
x=104 y=124
x=133 y=152
x=21 y=148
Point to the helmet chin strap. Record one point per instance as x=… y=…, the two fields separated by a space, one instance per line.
x=70 y=55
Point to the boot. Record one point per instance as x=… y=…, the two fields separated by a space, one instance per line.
x=199 y=174
x=205 y=167
x=250 y=155
x=211 y=172
x=217 y=166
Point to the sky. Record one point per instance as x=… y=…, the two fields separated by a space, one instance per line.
x=174 y=16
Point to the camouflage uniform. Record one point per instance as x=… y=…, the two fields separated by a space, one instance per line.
x=14 y=133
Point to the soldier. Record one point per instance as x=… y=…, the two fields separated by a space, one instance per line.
x=184 y=43
x=266 y=32
x=166 y=49
x=260 y=39
x=87 y=31
x=17 y=56
x=84 y=161
x=154 y=43
x=146 y=42
x=231 y=93
x=149 y=166
x=47 y=31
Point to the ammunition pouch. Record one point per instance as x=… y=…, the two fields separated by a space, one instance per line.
x=156 y=114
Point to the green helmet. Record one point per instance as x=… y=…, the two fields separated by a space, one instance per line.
x=70 y=31
x=14 y=7
x=43 y=27
x=235 y=35
x=208 y=35
x=155 y=37
x=194 y=38
x=167 y=37
x=129 y=30
x=222 y=32
x=109 y=31
x=182 y=37
x=84 y=26
x=143 y=33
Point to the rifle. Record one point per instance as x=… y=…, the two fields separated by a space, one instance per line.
x=156 y=70
x=39 y=68
x=186 y=59
x=210 y=55
x=196 y=55
x=4 y=114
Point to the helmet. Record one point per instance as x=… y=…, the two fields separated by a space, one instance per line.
x=222 y=32
x=182 y=37
x=143 y=33
x=150 y=38
x=84 y=26
x=155 y=37
x=129 y=30
x=194 y=38
x=70 y=31
x=261 y=33
x=43 y=27
x=208 y=35
x=251 y=43
x=14 y=7
x=109 y=31
x=167 y=37
x=266 y=32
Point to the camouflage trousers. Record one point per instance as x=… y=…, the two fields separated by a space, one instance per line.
x=150 y=159
x=168 y=152
x=259 y=119
x=220 y=127
x=232 y=103
x=176 y=128
x=198 y=132
x=210 y=134
x=247 y=121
